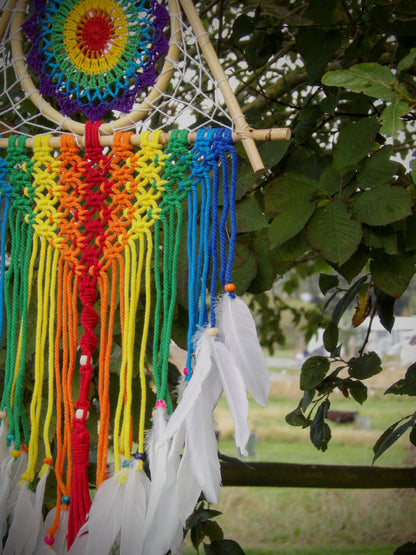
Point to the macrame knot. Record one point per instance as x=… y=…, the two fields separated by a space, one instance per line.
x=80 y=442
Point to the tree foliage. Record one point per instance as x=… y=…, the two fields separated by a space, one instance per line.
x=339 y=197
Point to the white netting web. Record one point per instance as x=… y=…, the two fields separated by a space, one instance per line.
x=185 y=94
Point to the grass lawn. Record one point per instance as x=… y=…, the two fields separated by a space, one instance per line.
x=291 y=521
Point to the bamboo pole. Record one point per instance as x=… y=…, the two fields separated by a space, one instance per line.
x=263 y=474
x=275 y=134
x=223 y=84
x=5 y=16
x=71 y=125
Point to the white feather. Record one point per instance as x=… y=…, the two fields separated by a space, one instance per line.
x=21 y=520
x=203 y=368
x=6 y=474
x=16 y=475
x=60 y=543
x=235 y=392
x=4 y=450
x=202 y=443
x=188 y=488
x=79 y=546
x=162 y=518
x=134 y=511
x=105 y=516
x=36 y=526
x=238 y=331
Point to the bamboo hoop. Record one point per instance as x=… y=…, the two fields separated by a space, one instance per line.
x=274 y=134
x=5 y=16
x=69 y=124
x=223 y=84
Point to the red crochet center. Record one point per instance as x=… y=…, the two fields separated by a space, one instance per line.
x=97 y=32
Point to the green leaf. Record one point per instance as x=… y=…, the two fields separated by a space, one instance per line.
x=320 y=11
x=333 y=233
x=317 y=47
x=285 y=256
x=243 y=25
x=378 y=169
x=213 y=530
x=244 y=267
x=330 y=336
x=327 y=282
x=407 y=61
x=307 y=398
x=272 y=152
x=347 y=299
x=405 y=386
x=385 y=309
x=201 y=515
x=297 y=418
x=408 y=548
x=371 y=79
x=357 y=389
x=382 y=205
x=354 y=142
x=313 y=371
x=391 y=435
x=391 y=117
x=223 y=547
x=288 y=191
x=365 y=366
x=392 y=273
x=249 y=216
x=288 y=224
x=320 y=432
x=350 y=269
x=380 y=238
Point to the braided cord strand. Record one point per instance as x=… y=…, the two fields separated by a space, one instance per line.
x=199 y=244
x=18 y=273
x=68 y=243
x=6 y=199
x=175 y=191
x=97 y=191
x=46 y=197
x=146 y=188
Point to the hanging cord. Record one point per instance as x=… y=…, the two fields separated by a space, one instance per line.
x=43 y=220
x=6 y=199
x=199 y=244
x=112 y=277
x=67 y=243
x=97 y=190
x=16 y=302
x=176 y=189
x=147 y=187
x=223 y=146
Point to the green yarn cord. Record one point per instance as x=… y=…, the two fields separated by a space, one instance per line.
x=16 y=285
x=171 y=217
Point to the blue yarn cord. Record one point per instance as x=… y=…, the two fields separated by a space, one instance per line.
x=214 y=233
x=198 y=244
x=228 y=212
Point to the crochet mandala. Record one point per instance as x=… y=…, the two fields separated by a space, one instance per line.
x=94 y=56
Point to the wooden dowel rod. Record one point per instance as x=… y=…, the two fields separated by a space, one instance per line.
x=275 y=134
x=223 y=84
x=262 y=474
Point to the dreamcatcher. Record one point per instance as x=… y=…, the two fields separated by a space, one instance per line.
x=94 y=221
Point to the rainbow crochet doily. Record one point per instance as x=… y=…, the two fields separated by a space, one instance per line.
x=94 y=56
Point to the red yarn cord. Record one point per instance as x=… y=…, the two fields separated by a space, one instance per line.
x=97 y=189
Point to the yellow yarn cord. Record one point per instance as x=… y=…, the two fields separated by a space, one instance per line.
x=51 y=366
x=147 y=187
x=44 y=226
